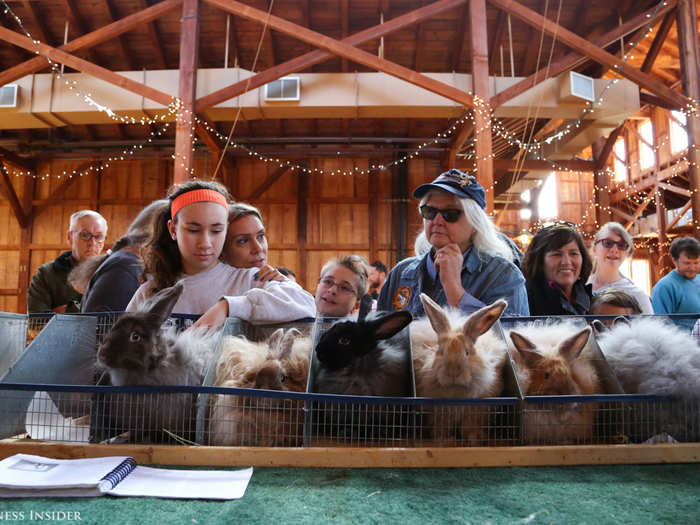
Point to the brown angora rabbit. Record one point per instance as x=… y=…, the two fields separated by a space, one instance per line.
x=137 y=351
x=282 y=363
x=458 y=357
x=550 y=362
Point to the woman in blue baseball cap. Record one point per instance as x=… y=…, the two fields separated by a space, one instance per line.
x=460 y=259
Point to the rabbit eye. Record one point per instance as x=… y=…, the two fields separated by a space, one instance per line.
x=283 y=378
x=546 y=375
x=134 y=337
x=344 y=341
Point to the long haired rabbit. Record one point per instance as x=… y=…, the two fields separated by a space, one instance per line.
x=356 y=358
x=457 y=356
x=550 y=361
x=137 y=351
x=281 y=363
x=653 y=356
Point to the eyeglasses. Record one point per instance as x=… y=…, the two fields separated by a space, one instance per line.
x=609 y=243
x=342 y=287
x=429 y=213
x=87 y=236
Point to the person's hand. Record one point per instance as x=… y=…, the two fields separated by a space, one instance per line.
x=448 y=262
x=214 y=317
x=60 y=309
x=268 y=273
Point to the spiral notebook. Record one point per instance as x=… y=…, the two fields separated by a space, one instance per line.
x=25 y=476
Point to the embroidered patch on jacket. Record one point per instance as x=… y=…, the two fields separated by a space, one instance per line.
x=401 y=298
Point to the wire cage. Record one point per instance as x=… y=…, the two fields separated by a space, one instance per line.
x=48 y=392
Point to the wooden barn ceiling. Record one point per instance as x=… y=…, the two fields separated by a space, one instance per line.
x=439 y=44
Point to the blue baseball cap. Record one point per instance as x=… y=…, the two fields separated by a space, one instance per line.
x=457 y=183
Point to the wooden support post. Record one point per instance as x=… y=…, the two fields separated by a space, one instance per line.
x=686 y=22
x=480 y=87
x=601 y=180
x=25 y=241
x=184 y=130
x=664 y=263
x=302 y=212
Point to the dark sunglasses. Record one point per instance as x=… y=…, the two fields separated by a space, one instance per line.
x=609 y=243
x=429 y=213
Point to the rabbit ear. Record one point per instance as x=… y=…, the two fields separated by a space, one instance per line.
x=162 y=304
x=287 y=343
x=365 y=307
x=526 y=348
x=274 y=340
x=598 y=327
x=436 y=315
x=391 y=324
x=571 y=348
x=480 y=321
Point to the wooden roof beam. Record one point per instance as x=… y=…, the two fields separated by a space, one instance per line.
x=495 y=43
x=648 y=98
x=462 y=35
x=41 y=32
x=570 y=60
x=154 y=35
x=79 y=64
x=11 y=195
x=678 y=217
x=332 y=46
x=667 y=173
x=659 y=40
x=91 y=39
x=586 y=48
x=602 y=159
x=120 y=41
x=418 y=55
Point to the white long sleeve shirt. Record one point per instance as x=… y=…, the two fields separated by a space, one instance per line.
x=248 y=299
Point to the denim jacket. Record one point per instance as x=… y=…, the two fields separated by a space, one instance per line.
x=485 y=278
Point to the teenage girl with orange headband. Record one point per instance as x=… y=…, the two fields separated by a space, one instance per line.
x=187 y=239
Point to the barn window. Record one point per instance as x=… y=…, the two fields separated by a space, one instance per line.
x=679 y=132
x=646 y=141
x=620 y=159
x=548 y=201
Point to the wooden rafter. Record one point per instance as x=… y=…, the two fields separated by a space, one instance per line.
x=640 y=209
x=659 y=40
x=533 y=49
x=543 y=165
x=584 y=47
x=39 y=30
x=674 y=189
x=62 y=57
x=344 y=49
x=495 y=43
x=648 y=98
x=602 y=159
x=678 y=217
x=13 y=158
x=648 y=182
x=458 y=141
x=120 y=40
x=91 y=39
x=314 y=57
x=419 y=51
x=462 y=35
x=11 y=195
x=267 y=183
x=154 y=35
x=344 y=28
x=570 y=60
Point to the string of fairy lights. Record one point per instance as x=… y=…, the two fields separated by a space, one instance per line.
x=481 y=112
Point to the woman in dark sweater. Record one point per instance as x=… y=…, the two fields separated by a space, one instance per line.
x=556 y=267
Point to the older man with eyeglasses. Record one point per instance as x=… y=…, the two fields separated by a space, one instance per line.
x=49 y=290
x=460 y=258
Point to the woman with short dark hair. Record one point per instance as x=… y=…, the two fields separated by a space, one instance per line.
x=556 y=267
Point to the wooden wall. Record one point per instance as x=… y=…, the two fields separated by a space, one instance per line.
x=309 y=217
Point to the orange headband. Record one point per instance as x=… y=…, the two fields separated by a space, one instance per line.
x=193 y=196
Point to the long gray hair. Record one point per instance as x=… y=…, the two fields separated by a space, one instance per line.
x=485 y=238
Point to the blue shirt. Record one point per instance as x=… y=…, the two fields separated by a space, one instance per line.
x=485 y=278
x=674 y=294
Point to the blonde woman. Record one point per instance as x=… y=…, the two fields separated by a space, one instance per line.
x=611 y=247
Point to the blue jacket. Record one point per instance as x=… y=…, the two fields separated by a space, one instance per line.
x=485 y=278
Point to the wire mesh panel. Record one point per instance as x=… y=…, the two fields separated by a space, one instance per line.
x=264 y=418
